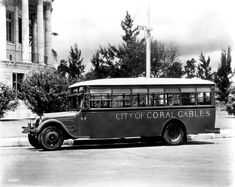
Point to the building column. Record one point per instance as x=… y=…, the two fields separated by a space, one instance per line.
x=16 y=31
x=34 y=40
x=25 y=31
x=48 y=41
x=40 y=32
x=3 y=30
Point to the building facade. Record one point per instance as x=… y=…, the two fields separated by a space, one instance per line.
x=25 y=39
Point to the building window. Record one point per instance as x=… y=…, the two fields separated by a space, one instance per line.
x=20 y=30
x=10 y=26
x=17 y=82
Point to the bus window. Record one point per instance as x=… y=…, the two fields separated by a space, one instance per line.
x=95 y=100
x=140 y=100
x=156 y=96
x=121 y=98
x=156 y=99
x=105 y=100
x=100 y=97
x=172 y=96
x=117 y=101
x=139 y=97
x=188 y=98
x=120 y=101
x=74 y=90
x=204 y=98
x=100 y=100
x=172 y=99
x=75 y=101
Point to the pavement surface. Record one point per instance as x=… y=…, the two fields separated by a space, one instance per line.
x=11 y=132
x=208 y=163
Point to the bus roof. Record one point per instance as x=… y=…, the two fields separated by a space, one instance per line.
x=142 y=81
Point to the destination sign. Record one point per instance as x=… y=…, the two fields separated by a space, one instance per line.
x=163 y=114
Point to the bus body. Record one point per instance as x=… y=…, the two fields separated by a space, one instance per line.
x=130 y=107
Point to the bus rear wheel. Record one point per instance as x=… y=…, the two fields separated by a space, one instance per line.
x=173 y=134
x=51 y=138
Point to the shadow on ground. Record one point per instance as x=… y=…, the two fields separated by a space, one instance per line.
x=120 y=144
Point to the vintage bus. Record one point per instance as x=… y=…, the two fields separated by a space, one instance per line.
x=170 y=108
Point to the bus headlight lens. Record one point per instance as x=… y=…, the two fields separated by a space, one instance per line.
x=37 y=121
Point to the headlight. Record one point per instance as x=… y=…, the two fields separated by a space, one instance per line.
x=37 y=121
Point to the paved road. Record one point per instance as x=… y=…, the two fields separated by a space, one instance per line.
x=198 y=163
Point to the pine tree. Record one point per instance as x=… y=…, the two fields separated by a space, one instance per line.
x=190 y=68
x=130 y=32
x=73 y=68
x=204 y=69
x=224 y=75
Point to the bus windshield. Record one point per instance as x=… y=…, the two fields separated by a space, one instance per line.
x=76 y=98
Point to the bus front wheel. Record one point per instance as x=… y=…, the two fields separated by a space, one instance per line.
x=34 y=141
x=51 y=138
x=173 y=134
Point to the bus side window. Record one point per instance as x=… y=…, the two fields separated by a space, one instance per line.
x=121 y=97
x=140 y=97
x=156 y=99
x=106 y=100
x=204 y=98
x=126 y=100
x=100 y=100
x=95 y=101
x=188 y=98
x=140 y=100
x=173 y=99
x=120 y=101
x=117 y=101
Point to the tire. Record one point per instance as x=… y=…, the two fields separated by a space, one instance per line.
x=173 y=134
x=34 y=141
x=51 y=138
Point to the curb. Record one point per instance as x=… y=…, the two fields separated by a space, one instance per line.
x=23 y=141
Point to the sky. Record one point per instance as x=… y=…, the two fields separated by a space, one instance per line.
x=194 y=26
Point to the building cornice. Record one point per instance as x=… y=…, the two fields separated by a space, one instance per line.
x=3 y=2
x=27 y=65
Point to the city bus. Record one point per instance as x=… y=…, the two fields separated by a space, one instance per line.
x=170 y=108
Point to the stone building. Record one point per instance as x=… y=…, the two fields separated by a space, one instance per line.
x=25 y=42
x=25 y=39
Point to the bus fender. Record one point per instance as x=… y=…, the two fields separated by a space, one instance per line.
x=56 y=123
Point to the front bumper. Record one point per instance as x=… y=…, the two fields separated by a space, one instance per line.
x=29 y=129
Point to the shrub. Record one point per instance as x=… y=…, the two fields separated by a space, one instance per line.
x=7 y=101
x=45 y=91
x=231 y=108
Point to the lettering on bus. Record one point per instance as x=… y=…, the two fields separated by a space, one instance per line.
x=163 y=114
